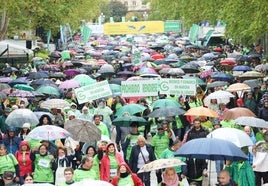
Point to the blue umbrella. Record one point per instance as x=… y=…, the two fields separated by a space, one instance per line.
x=211 y=149
x=221 y=76
x=243 y=68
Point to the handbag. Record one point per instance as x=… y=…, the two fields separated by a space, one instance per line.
x=59 y=175
x=144 y=158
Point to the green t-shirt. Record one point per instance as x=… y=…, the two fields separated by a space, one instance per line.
x=8 y=163
x=104 y=130
x=133 y=141
x=43 y=169
x=160 y=143
x=80 y=174
x=127 y=181
x=113 y=165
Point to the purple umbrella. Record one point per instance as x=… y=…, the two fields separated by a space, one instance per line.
x=146 y=70
x=71 y=72
x=5 y=79
x=69 y=84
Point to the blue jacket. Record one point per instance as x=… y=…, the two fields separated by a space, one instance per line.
x=12 y=143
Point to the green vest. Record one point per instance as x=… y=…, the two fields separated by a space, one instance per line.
x=7 y=163
x=43 y=170
x=80 y=174
x=127 y=181
x=133 y=141
x=160 y=143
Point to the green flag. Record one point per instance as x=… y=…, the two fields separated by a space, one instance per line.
x=136 y=55
x=48 y=38
x=86 y=33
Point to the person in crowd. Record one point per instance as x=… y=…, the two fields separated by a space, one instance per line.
x=28 y=178
x=170 y=178
x=85 y=114
x=222 y=109
x=213 y=105
x=24 y=159
x=263 y=112
x=160 y=141
x=8 y=162
x=61 y=161
x=126 y=177
x=8 y=179
x=44 y=120
x=250 y=102
x=206 y=123
x=197 y=131
x=248 y=130
x=11 y=141
x=58 y=117
x=260 y=161
x=118 y=102
x=121 y=133
x=168 y=128
x=91 y=107
x=25 y=130
x=74 y=109
x=130 y=140
x=43 y=172
x=85 y=171
x=109 y=163
x=225 y=179
x=141 y=154
x=106 y=112
x=181 y=171
x=3 y=125
x=257 y=94
x=260 y=134
x=103 y=128
x=68 y=175
x=51 y=147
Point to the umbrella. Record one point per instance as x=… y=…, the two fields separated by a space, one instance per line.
x=228 y=62
x=217 y=84
x=238 y=87
x=211 y=149
x=20 y=116
x=201 y=111
x=47 y=89
x=5 y=79
x=131 y=109
x=253 y=83
x=20 y=80
x=251 y=75
x=164 y=103
x=166 y=111
x=147 y=70
x=243 y=68
x=23 y=87
x=69 y=84
x=55 y=103
x=9 y=70
x=262 y=68
x=173 y=71
x=38 y=75
x=125 y=121
x=236 y=136
x=3 y=95
x=116 y=89
x=221 y=76
x=48 y=132
x=190 y=68
x=237 y=112
x=24 y=94
x=84 y=79
x=106 y=69
x=161 y=164
x=83 y=130
x=251 y=121
x=39 y=114
x=39 y=82
x=221 y=96
x=71 y=72
x=4 y=86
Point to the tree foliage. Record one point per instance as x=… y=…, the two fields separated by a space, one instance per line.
x=114 y=9
x=246 y=19
x=49 y=14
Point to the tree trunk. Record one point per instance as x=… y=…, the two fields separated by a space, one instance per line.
x=4 y=25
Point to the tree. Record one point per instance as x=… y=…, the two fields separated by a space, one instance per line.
x=118 y=10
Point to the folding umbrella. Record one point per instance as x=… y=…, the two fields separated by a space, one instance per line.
x=237 y=112
x=20 y=116
x=201 y=111
x=125 y=121
x=160 y=103
x=48 y=89
x=166 y=111
x=251 y=121
x=67 y=84
x=238 y=87
x=55 y=103
x=220 y=95
x=131 y=109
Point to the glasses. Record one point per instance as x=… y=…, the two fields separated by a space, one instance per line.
x=160 y=129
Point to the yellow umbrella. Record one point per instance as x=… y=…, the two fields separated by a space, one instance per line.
x=201 y=111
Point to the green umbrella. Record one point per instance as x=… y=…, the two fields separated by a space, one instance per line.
x=50 y=90
x=4 y=86
x=38 y=63
x=125 y=121
x=23 y=87
x=131 y=109
x=199 y=81
x=160 y=103
x=84 y=79
x=116 y=89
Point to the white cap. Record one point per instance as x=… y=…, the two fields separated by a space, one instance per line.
x=84 y=108
x=26 y=125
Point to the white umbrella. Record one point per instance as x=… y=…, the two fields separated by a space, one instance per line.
x=54 y=103
x=236 y=136
x=251 y=121
x=220 y=95
x=20 y=116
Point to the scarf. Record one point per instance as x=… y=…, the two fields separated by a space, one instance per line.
x=174 y=182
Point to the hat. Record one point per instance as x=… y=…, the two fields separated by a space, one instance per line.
x=159 y=127
x=8 y=175
x=26 y=125
x=84 y=108
x=71 y=113
x=8 y=109
x=73 y=104
x=11 y=129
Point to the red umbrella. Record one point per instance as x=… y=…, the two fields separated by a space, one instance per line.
x=228 y=62
x=157 y=56
x=101 y=62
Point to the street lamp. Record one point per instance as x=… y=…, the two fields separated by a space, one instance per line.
x=145 y=16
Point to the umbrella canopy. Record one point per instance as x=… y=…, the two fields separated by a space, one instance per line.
x=221 y=76
x=3 y=95
x=211 y=149
x=242 y=68
x=25 y=94
x=160 y=103
x=161 y=164
x=228 y=62
x=20 y=116
x=262 y=68
x=220 y=95
x=9 y=70
x=42 y=82
x=238 y=87
x=251 y=75
x=48 y=132
x=55 y=103
x=50 y=90
x=71 y=72
x=253 y=83
x=190 y=68
x=84 y=79
x=4 y=86
x=131 y=109
x=83 y=130
x=201 y=111
x=69 y=84
x=166 y=111
x=125 y=121
x=23 y=87
x=5 y=79
x=20 y=80
x=38 y=75
x=237 y=112
x=173 y=71
x=251 y=121
x=106 y=69
x=236 y=136
x=215 y=84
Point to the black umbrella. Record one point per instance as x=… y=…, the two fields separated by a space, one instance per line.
x=217 y=84
x=21 y=80
x=38 y=75
x=166 y=111
x=9 y=70
x=253 y=83
x=190 y=68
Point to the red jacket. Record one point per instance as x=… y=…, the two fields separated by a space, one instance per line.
x=105 y=165
x=26 y=164
x=136 y=180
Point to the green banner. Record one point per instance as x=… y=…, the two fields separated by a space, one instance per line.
x=172 y=26
x=86 y=33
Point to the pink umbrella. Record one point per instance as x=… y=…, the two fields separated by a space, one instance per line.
x=71 y=72
x=69 y=84
x=147 y=70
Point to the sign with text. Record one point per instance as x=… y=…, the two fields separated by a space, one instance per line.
x=139 y=88
x=140 y=27
x=177 y=86
x=93 y=92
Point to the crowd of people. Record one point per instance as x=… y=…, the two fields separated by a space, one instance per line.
x=123 y=151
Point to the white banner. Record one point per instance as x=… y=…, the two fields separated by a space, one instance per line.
x=177 y=86
x=139 y=88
